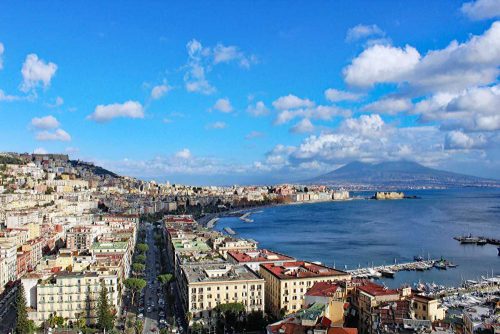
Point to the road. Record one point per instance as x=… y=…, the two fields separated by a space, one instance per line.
x=8 y=310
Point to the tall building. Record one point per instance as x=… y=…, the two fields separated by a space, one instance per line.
x=286 y=284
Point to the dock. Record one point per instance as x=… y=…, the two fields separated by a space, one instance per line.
x=229 y=230
x=245 y=217
x=478 y=240
x=379 y=271
x=212 y=222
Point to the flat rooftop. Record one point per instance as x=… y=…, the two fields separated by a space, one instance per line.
x=181 y=245
x=301 y=269
x=374 y=289
x=259 y=255
x=218 y=273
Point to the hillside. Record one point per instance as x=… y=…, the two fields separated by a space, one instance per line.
x=399 y=174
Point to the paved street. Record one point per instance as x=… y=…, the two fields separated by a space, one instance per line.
x=8 y=310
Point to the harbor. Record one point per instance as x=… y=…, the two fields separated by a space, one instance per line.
x=477 y=240
x=389 y=271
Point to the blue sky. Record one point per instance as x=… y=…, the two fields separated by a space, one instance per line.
x=252 y=91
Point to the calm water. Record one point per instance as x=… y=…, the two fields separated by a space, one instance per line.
x=362 y=232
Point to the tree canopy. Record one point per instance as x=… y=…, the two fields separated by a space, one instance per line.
x=23 y=324
x=138 y=267
x=105 y=314
x=165 y=278
x=143 y=248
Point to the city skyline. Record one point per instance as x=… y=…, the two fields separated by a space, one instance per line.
x=253 y=92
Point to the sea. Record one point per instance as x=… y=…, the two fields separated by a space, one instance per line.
x=363 y=232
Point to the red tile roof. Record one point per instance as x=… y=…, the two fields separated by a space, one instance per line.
x=342 y=330
x=322 y=289
x=262 y=255
x=300 y=269
x=374 y=289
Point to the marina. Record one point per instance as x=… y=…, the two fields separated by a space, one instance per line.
x=389 y=271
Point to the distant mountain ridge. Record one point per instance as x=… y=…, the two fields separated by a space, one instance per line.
x=399 y=174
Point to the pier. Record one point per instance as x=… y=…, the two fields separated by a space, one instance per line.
x=390 y=270
x=478 y=240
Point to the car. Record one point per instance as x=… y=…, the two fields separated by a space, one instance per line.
x=162 y=314
x=140 y=316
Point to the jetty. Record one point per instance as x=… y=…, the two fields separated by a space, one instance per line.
x=245 y=218
x=212 y=222
x=229 y=230
x=478 y=240
x=389 y=270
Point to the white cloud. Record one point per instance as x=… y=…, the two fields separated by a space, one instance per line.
x=184 y=154
x=335 y=95
x=40 y=150
x=105 y=113
x=8 y=98
x=57 y=135
x=59 y=101
x=223 y=105
x=303 y=126
x=291 y=102
x=454 y=68
x=226 y=54
x=258 y=109
x=362 y=31
x=159 y=91
x=36 y=71
x=459 y=140
x=481 y=9
x=45 y=123
x=2 y=49
x=195 y=76
x=320 y=112
x=253 y=135
x=474 y=109
x=217 y=125
x=389 y=106
x=381 y=63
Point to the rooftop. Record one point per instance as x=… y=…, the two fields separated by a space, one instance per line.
x=190 y=245
x=262 y=255
x=322 y=289
x=301 y=269
x=374 y=289
x=110 y=245
x=218 y=273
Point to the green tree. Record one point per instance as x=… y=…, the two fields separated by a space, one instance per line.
x=138 y=267
x=139 y=326
x=23 y=324
x=165 y=278
x=141 y=258
x=143 y=248
x=105 y=314
x=135 y=285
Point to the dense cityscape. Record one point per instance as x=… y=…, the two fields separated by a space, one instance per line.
x=250 y=167
x=84 y=250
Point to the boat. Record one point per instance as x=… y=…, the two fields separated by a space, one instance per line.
x=418 y=258
x=373 y=273
x=387 y=273
x=440 y=265
x=452 y=265
x=482 y=242
x=468 y=239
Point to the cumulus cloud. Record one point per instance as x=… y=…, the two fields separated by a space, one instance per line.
x=362 y=31
x=389 y=106
x=105 y=113
x=183 y=154
x=381 y=63
x=223 y=105
x=258 y=109
x=474 y=109
x=324 y=113
x=217 y=125
x=303 y=126
x=454 y=68
x=291 y=102
x=57 y=135
x=159 y=91
x=45 y=123
x=226 y=54
x=36 y=72
x=335 y=95
x=481 y=9
x=201 y=60
x=460 y=140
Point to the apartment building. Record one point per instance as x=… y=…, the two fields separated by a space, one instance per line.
x=70 y=295
x=205 y=286
x=286 y=284
x=254 y=258
x=80 y=238
x=427 y=308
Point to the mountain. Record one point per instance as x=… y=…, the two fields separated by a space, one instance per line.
x=398 y=174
